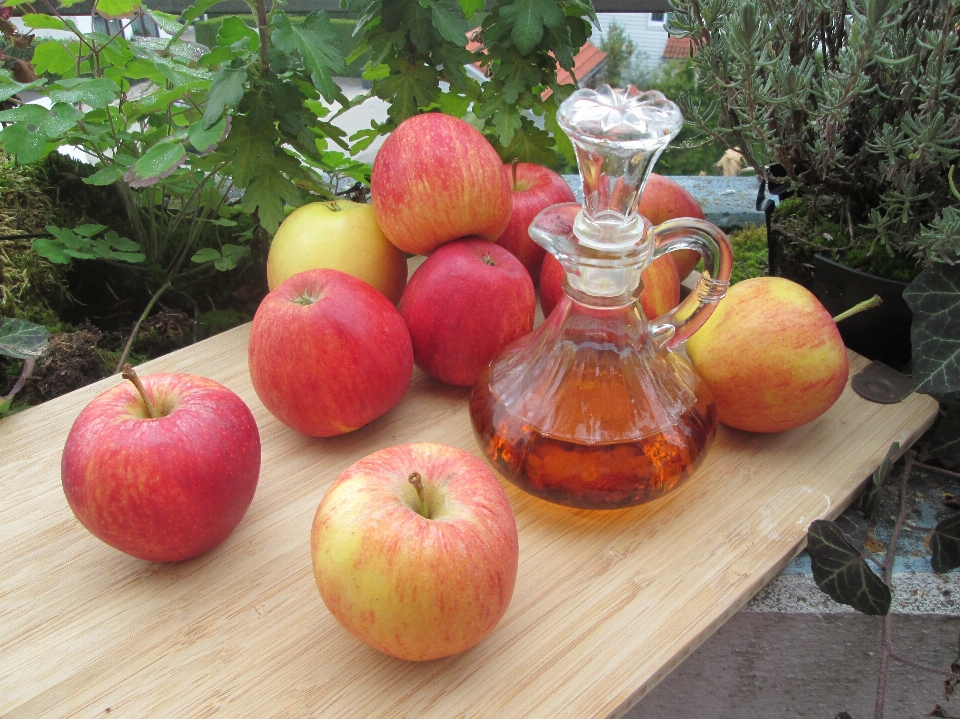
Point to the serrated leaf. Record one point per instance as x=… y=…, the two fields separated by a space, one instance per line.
x=44 y=22
x=225 y=93
x=841 y=572
x=470 y=7
x=198 y=9
x=51 y=250
x=24 y=142
x=945 y=545
x=95 y=92
x=266 y=195
x=375 y=72
x=314 y=41
x=412 y=87
x=233 y=30
x=451 y=26
x=113 y=9
x=159 y=160
x=166 y=22
x=201 y=138
x=53 y=57
x=62 y=117
x=934 y=298
x=8 y=90
x=872 y=493
x=105 y=176
x=528 y=18
x=232 y=254
x=89 y=230
x=28 y=114
x=453 y=104
x=21 y=339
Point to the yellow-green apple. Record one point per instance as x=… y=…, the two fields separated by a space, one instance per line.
x=660 y=293
x=662 y=200
x=463 y=305
x=535 y=188
x=162 y=468
x=435 y=179
x=771 y=355
x=339 y=235
x=328 y=353
x=415 y=550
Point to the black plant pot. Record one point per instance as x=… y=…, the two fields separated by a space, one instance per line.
x=881 y=333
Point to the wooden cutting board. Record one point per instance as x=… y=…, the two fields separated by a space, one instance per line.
x=606 y=603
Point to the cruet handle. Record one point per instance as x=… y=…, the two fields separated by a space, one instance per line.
x=674 y=328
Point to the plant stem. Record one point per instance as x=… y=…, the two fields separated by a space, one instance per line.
x=28 y=364
x=874 y=301
x=417 y=483
x=940 y=470
x=516 y=161
x=131 y=374
x=136 y=327
x=264 y=36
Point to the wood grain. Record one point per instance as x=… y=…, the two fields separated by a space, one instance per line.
x=606 y=603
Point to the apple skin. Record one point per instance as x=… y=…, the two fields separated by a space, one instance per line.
x=339 y=235
x=660 y=293
x=535 y=188
x=412 y=587
x=436 y=179
x=662 y=200
x=463 y=305
x=328 y=353
x=168 y=488
x=771 y=355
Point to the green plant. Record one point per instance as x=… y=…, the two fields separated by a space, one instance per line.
x=23 y=340
x=857 y=102
x=749 y=253
x=415 y=45
x=620 y=54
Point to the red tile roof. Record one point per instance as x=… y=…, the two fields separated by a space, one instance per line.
x=678 y=48
x=585 y=62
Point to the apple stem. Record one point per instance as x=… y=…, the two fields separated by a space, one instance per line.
x=874 y=301
x=516 y=161
x=130 y=374
x=417 y=483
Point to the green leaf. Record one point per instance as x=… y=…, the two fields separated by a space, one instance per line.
x=945 y=545
x=413 y=87
x=452 y=27
x=528 y=18
x=79 y=244
x=8 y=90
x=232 y=254
x=52 y=56
x=376 y=72
x=870 y=499
x=234 y=30
x=267 y=194
x=105 y=176
x=207 y=254
x=470 y=7
x=21 y=339
x=24 y=141
x=62 y=117
x=29 y=114
x=934 y=298
x=44 y=22
x=453 y=104
x=314 y=41
x=945 y=442
x=95 y=92
x=52 y=250
x=202 y=138
x=841 y=571
x=198 y=9
x=158 y=162
x=89 y=230
x=166 y=22
x=225 y=93
x=112 y=9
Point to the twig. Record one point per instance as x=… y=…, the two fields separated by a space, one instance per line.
x=136 y=327
x=917 y=665
x=940 y=470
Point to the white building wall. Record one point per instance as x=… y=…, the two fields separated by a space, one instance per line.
x=647 y=34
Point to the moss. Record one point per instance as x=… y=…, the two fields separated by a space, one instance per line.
x=749 y=253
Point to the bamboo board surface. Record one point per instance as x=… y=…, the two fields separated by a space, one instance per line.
x=606 y=603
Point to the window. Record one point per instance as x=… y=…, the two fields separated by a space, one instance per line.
x=657 y=16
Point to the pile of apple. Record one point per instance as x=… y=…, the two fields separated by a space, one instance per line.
x=414 y=547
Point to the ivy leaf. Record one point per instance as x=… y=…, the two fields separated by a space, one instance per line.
x=314 y=41
x=841 y=572
x=528 y=18
x=934 y=298
x=157 y=163
x=21 y=339
x=945 y=442
x=945 y=545
x=53 y=57
x=225 y=92
x=870 y=499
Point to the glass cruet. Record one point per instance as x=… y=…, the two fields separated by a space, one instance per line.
x=594 y=408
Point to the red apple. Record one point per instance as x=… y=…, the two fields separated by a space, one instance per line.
x=416 y=573
x=328 y=353
x=771 y=355
x=662 y=200
x=437 y=179
x=660 y=293
x=463 y=305
x=534 y=189
x=166 y=474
